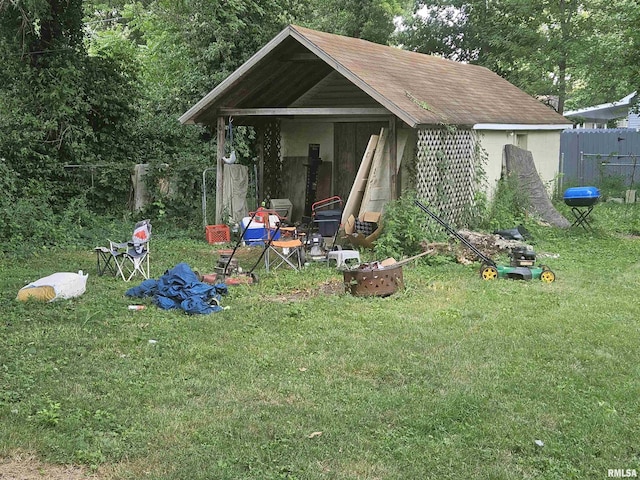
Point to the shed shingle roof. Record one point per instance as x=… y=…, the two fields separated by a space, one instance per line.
x=420 y=89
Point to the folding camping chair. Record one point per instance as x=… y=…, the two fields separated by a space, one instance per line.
x=127 y=258
x=286 y=250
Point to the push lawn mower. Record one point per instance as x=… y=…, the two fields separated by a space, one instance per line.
x=326 y=221
x=227 y=270
x=522 y=265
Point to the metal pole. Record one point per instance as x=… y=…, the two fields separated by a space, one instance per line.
x=219 y=168
x=204 y=196
x=561 y=172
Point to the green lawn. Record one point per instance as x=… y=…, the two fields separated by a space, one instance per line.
x=453 y=377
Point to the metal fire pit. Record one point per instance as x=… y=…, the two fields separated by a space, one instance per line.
x=372 y=280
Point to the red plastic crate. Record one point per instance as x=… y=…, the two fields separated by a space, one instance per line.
x=218 y=234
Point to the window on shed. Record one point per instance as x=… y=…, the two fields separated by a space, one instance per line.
x=521 y=141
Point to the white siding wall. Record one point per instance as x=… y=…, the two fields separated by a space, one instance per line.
x=544 y=145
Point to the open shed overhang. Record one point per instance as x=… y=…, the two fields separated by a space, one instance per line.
x=306 y=75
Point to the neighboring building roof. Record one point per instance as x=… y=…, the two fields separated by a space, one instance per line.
x=605 y=112
x=290 y=71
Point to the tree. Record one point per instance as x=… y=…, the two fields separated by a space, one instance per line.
x=183 y=50
x=59 y=106
x=608 y=65
x=39 y=28
x=539 y=46
x=187 y=48
x=372 y=20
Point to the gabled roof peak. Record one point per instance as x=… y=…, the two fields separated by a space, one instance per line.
x=417 y=88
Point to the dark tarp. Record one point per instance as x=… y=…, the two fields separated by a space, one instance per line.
x=181 y=288
x=520 y=163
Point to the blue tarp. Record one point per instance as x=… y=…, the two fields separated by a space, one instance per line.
x=180 y=288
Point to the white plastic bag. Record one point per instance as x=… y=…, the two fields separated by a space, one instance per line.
x=55 y=286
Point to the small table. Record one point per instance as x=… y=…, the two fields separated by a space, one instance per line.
x=343 y=256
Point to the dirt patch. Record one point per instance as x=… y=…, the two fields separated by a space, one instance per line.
x=28 y=467
x=330 y=287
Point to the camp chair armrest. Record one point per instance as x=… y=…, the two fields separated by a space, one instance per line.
x=118 y=245
x=135 y=254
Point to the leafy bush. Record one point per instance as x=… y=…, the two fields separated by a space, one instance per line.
x=405 y=229
x=32 y=224
x=8 y=180
x=508 y=207
x=612 y=186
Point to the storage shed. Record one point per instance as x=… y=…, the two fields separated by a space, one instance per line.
x=318 y=100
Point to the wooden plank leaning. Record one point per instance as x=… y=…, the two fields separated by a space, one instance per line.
x=377 y=184
x=352 y=205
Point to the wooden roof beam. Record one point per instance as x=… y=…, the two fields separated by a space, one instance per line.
x=303 y=57
x=286 y=111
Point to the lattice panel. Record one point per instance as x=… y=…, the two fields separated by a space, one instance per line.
x=446 y=171
x=272 y=175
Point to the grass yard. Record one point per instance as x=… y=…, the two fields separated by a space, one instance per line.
x=453 y=377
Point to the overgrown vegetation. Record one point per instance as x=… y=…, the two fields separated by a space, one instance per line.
x=406 y=229
x=508 y=208
x=450 y=378
x=88 y=90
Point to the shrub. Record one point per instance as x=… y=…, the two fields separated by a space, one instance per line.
x=405 y=229
x=508 y=206
x=31 y=224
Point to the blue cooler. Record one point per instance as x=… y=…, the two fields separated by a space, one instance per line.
x=581 y=196
x=256 y=234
